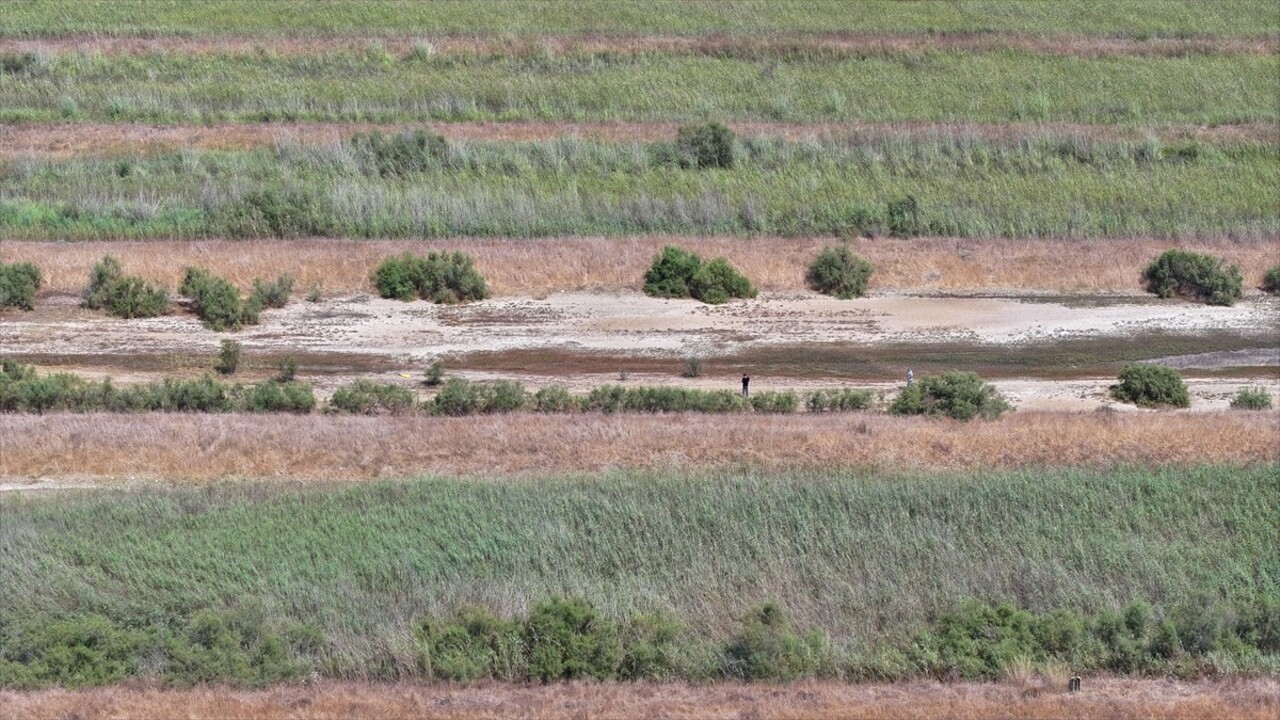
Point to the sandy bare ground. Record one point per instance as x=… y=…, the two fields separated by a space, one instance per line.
x=74 y=140
x=1101 y=699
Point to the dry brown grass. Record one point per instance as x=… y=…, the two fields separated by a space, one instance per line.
x=1101 y=699
x=106 y=139
x=195 y=448
x=541 y=266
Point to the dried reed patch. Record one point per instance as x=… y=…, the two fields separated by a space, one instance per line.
x=206 y=447
x=541 y=266
x=1109 y=699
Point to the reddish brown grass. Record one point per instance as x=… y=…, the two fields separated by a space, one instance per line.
x=198 y=448
x=105 y=139
x=1101 y=699
x=538 y=267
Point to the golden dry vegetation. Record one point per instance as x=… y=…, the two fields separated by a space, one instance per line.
x=194 y=448
x=540 y=266
x=1101 y=699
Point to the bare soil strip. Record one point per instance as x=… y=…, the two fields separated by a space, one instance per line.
x=112 y=140
x=119 y=449
x=777 y=44
x=1109 y=699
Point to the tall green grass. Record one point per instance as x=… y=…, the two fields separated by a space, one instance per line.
x=1050 y=186
x=167 y=87
x=863 y=558
x=51 y=18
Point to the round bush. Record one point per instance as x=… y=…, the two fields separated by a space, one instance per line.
x=1151 y=386
x=678 y=273
x=838 y=271
x=709 y=145
x=1194 y=275
x=954 y=394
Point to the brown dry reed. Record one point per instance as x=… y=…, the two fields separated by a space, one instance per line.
x=537 y=267
x=1102 y=699
x=195 y=448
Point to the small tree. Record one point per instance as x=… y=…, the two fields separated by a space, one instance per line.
x=1151 y=386
x=954 y=394
x=708 y=145
x=228 y=358
x=838 y=271
x=1194 y=275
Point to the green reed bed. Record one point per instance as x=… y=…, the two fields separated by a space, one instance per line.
x=169 y=87
x=50 y=18
x=1048 y=186
x=866 y=560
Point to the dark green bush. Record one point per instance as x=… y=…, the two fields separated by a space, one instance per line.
x=775 y=402
x=567 y=639
x=1253 y=398
x=903 y=216
x=473 y=645
x=617 y=398
x=364 y=397
x=1271 y=281
x=276 y=212
x=651 y=648
x=555 y=399
x=123 y=296
x=677 y=273
x=236 y=647
x=291 y=397
x=217 y=302
x=1151 y=386
x=768 y=648
x=403 y=153
x=439 y=277
x=708 y=145
x=458 y=397
x=977 y=641
x=838 y=271
x=274 y=294
x=434 y=374
x=78 y=651
x=18 y=285
x=228 y=358
x=953 y=394
x=1194 y=275
x=841 y=400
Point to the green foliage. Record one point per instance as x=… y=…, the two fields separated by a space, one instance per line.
x=768 y=648
x=473 y=645
x=279 y=396
x=274 y=212
x=555 y=399
x=77 y=651
x=618 y=398
x=904 y=217
x=439 y=277
x=841 y=400
x=434 y=374
x=775 y=402
x=953 y=394
x=288 y=370
x=459 y=397
x=1271 y=281
x=273 y=294
x=123 y=296
x=838 y=271
x=708 y=145
x=217 y=302
x=568 y=639
x=1194 y=275
x=238 y=648
x=18 y=285
x=677 y=273
x=364 y=397
x=1151 y=386
x=651 y=648
x=228 y=358
x=1252 y=398
x=401 y=154
x=692 y=366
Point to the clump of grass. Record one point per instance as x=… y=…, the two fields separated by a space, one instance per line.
x=401 y=154
x=1252 y=398
x=124 y=296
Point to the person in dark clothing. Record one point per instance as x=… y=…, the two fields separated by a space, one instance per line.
x=746 y=380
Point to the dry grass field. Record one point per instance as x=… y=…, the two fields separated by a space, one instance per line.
x=1102 y=699
x=119 y=449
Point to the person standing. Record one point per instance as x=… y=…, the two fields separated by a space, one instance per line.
x=910 y=377
x=746 y=380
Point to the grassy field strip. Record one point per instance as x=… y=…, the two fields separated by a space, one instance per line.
x=536 y=267
x=50 y=18
x=1105 y=699
x=1006 y=86
x=114 y=449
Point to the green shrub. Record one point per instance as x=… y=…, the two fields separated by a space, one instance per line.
x=1253 y=398
x=77 y=651
x=1151 y=386
x=403 y=153
x=838 y=271
x=273 y=294
x=768 y=648
x=288 y=370
x=434 y=374
x=650 y=648
x=276 y=212
x=775 y=402
x=692 y=366
x=707 y=145
x=236 y=647
x=458 y=397
x=364 y=397
x=953 y=394
x=903 y=216
x=677 y=273
x=228 y=358
x=567 y=639
x=18 y=285
x=554 y=399
x=439 y=277
x=291 y=397
x=841 y=400
x=616 y=398
x=1271 y=281
x=217 y=302
x=1193 y=275
x=473 y=645
x=977 y=641
x=123 y=296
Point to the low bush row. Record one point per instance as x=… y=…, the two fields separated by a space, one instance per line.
x=567 y=639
